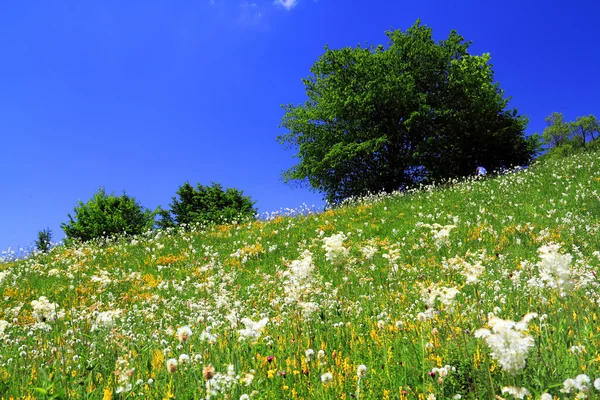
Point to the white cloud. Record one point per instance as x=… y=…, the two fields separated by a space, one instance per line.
x=287 y=4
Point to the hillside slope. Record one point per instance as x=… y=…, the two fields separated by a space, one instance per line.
x=382 y=299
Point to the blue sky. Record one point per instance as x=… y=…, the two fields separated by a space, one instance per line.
x=144 y=96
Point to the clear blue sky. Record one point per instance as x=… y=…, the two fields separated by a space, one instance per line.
x=143 y=96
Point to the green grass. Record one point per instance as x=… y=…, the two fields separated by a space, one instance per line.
x=395 y=298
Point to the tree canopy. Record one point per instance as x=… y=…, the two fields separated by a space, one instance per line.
x=206 y=204
x=382 y=118
x=106 y=215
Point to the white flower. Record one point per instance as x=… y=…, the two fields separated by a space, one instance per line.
x=184 y=358
x=184 y=333
x=554 y=268
x=253 y=329
x=326 y=377
x=44 y=311
x=334 y=248
x=597 y=383
x=546 y=396
x=171 y=365
x=508 y=343
x=368 y=251
x=361 y=371
x=444 y=295
x=3 y=325
x=516 y=392
x=106 y=319
x=309 y=353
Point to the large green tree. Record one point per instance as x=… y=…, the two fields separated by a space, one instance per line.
x=381 y=118
x=206 y=204
x=106 y=215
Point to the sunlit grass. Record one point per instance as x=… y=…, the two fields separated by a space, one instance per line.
x=403 y=286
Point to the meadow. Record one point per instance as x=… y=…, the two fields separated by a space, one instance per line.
x=480 y=289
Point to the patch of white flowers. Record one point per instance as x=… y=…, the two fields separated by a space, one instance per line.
x=508 y=341
x=335 y=251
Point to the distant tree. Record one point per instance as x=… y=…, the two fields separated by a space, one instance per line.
x=383 y=118
x=206 y=204
x=584 y=127
x=107 y=215
x=558 y=130
x=44 y=240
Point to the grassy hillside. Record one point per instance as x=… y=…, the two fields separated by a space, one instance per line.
x=399 y=297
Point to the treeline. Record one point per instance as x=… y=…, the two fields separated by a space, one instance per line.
x=107 y=215
x=565 y=138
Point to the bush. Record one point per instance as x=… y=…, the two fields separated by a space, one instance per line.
x=106 y=215
x=207 y=204
x=44 y=240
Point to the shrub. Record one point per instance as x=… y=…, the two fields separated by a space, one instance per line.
x=44 y=240
x=206 y=204
x=107 y=215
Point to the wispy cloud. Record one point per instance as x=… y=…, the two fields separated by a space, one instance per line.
x=287 y=4
x=251 y=16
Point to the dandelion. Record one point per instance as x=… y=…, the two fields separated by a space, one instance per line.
x=171 y=365
x=184 y=333
x=361 y=371
x=326 y=377
x=508 y=343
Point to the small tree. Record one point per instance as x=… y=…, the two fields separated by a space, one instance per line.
x=107 y=215
x=558 y=131
x=44 y=240
x=584 y=127
x=206 y=204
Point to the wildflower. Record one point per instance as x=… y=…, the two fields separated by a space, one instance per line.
x=106 y=319
x=326 y=377
x=516 y=392
x=253 y=329
x=244 y=397
x=597 y=383
x=184 y=333
x=171 y=365
x=361 y=371
x=442 y=372
x=334 y=248
x=123 y=375
x=508 y=344
x=3 y=325
x=44 y=310
x=184 y=358
x=444 y=295
x=309 y=353
x=546 y=396
x=554 y=268
x=208 y=372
